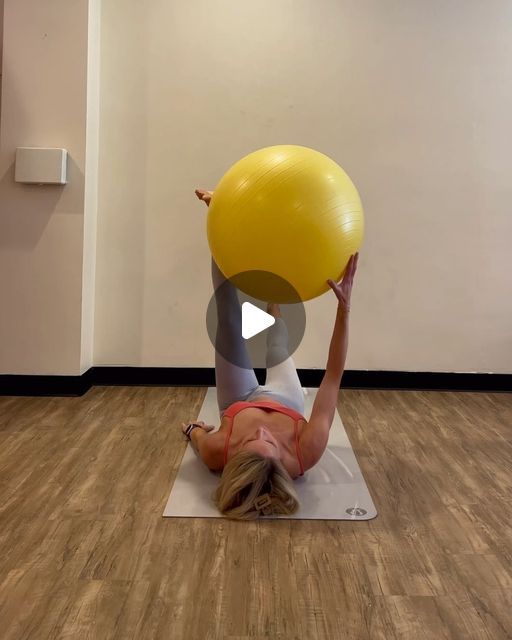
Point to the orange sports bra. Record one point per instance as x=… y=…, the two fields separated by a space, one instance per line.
x=235 y=408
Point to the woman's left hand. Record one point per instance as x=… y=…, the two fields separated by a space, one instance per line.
x=200 y=423
x=343 y=288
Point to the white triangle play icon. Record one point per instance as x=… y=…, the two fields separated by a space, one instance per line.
x=254 y=320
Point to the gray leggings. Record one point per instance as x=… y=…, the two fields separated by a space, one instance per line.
x=236 y=383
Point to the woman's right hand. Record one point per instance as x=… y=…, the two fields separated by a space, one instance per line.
x=343 y=288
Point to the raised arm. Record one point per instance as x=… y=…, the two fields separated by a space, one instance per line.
x=316 y=433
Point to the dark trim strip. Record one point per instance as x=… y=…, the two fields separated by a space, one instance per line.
x=21 y=385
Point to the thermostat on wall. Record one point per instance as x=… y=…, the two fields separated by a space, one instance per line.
x=40 y=165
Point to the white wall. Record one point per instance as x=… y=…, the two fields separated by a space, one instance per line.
x=413 y=99
x=43 y=284
x=1 y=46
x=92 y=133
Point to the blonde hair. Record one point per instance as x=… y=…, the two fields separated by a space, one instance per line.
x=252 y=484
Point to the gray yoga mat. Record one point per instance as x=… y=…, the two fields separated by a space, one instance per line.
x=334 y=489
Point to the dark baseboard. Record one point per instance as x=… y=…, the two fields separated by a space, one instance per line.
x=21 y=385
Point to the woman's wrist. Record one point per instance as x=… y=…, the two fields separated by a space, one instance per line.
x=190 y=428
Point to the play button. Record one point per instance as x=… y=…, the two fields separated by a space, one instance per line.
x=254 y=320
x=241 y=330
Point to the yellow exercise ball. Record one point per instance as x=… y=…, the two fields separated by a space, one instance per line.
x=286 y=210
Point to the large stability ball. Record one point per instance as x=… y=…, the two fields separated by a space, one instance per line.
x=289 y=211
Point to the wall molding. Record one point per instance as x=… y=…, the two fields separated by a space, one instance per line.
x=33 y=385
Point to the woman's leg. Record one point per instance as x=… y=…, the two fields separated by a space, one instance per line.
x=234 y=381
x=282 y=379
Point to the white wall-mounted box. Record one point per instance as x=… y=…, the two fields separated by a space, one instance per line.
x=40 y=165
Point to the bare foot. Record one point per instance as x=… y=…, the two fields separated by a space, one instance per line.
x=274 y=309
x=205 y=196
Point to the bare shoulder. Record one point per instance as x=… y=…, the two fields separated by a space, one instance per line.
x=312 y=445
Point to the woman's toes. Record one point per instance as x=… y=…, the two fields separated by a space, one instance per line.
x=274 y=309
x=203 y=195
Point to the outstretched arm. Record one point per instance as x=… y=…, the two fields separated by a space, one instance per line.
x=316 y=433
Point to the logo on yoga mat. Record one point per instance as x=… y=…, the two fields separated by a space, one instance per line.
x=242 y=328
x=356 y=511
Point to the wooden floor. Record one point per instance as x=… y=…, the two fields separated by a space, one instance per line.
x=85 y=553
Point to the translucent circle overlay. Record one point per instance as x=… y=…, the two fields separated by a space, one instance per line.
x=267 y=349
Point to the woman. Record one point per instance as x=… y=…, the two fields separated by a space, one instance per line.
x=264 y=441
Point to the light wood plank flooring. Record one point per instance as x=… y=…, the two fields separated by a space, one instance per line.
x=85 y=553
